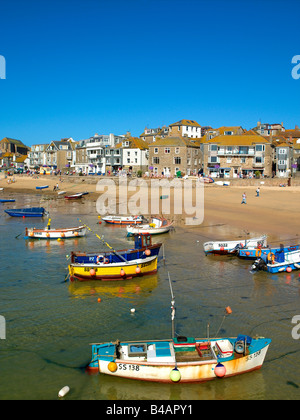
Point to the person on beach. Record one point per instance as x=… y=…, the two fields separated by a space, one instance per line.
x=257 y=192
x=244 y=199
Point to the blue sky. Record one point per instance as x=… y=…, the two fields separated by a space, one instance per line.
x=74 y=68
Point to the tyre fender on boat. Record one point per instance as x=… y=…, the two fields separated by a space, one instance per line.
x=271 y=257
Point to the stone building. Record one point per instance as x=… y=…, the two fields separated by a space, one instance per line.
x=174 y=154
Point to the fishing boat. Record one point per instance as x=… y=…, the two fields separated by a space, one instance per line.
x=179 y=359
x=43 y=187
x=278 y=262
x=156 y=226
x=116 y=265
x=123 y=220
x=48 y=233
x=27 y=212
x=7 y=201
x=254 y=253
x=75 y=196
x=232 y=247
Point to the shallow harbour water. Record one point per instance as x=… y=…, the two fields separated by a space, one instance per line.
x=50 y=321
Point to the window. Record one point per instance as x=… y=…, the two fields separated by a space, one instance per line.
x=213 y=159
x=229 y=160
x=155 y=160
x=229 y=150
x=213 y=147
x=243 y=160
x=259 y=147
x=177 y=150
x=167 y=150
x=243 y=150
x=135 y=160
x=177 y=160
x=282 y=151
x=259 y=159
x=128 y=153
x=155 y=150
x=128 y=160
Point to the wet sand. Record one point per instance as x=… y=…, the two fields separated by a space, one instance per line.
x=275 y=212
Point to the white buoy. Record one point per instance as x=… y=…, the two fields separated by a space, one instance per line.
x=63 y=391
x=132 y=310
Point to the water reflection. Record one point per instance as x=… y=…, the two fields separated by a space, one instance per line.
x=123 y=289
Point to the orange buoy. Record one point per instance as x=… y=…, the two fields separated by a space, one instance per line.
x=62 y=234
x=92 y=272
x=148 y=252
x=48 y=235
x=122 y=272
x=289 y=269
x=228 y=310
x=137 y=270
x=99 y=299
x=76 y=233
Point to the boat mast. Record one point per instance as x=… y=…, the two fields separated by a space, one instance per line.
x=172 y=308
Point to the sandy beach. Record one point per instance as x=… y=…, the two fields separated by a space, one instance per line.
x=275 y=212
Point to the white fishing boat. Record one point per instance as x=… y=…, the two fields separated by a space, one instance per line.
x=48 y=233
x=123 y=220
x=181 y=359
x=231 y=247
x=157 y=225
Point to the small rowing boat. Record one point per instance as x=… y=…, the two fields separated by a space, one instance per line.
x=158 y=225
x=43 y=187
x=75 y=196
x=232 y=247
x=27 y=212
x=7 y=201
x=123 y=220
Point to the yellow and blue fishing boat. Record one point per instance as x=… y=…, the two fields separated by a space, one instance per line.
x=116 y=265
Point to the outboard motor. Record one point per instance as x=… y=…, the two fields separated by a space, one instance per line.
x=258 y=264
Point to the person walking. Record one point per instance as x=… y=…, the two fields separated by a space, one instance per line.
x=257 y=192
x=244 y=199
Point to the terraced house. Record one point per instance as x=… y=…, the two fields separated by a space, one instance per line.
x=174 y=154
x=231 y=156
x=185 y=128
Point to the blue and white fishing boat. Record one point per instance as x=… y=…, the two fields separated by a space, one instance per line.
x=278 y=262
x=179 y=359
x=27 y=212
x=254 y=253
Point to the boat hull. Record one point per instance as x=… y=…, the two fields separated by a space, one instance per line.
x=55 y=233
x=114 y=271
x=27 y=212
x=146 y=230
x=122 y=220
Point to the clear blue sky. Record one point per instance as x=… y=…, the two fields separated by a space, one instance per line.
x=74 y=68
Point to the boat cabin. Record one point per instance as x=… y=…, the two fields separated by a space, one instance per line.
x=142 y=241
